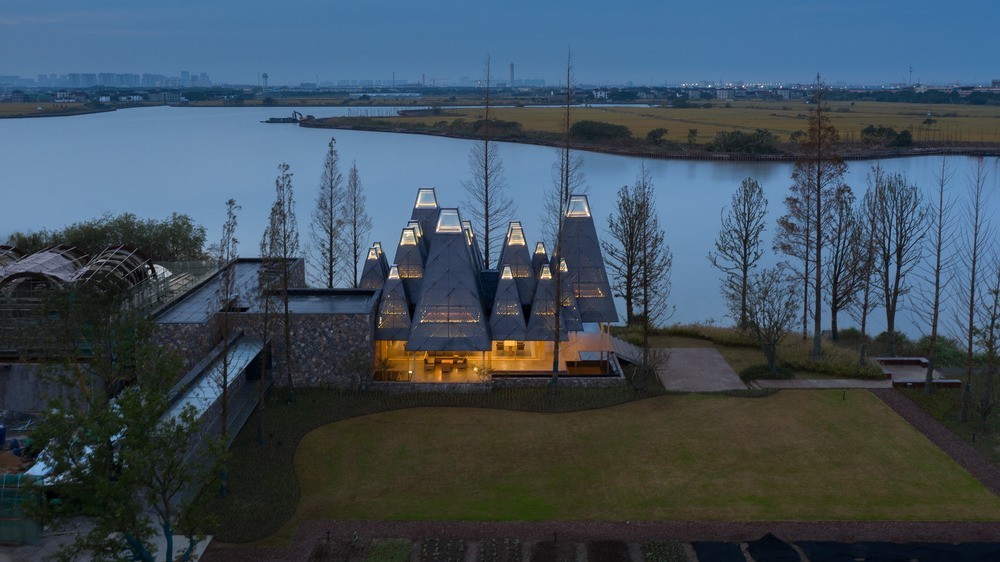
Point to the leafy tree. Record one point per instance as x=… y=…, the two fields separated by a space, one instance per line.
x=488 y=204
x=760 y=141
x=357 y=223
x=121 y=462
x=176 y=238
x=796 y=238
x=738 y=246
x=692 y=137
x=327 y=219
x=285 y=244
x=772 y=310
x=655 y=136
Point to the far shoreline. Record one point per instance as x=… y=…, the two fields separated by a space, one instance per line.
x=992 y=150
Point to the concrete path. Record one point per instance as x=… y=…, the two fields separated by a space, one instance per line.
x=698 y=369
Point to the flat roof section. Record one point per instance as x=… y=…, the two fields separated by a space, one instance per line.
x=331 y=301
x=198 y=305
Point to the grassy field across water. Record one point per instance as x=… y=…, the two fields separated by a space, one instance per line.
x=796 y=455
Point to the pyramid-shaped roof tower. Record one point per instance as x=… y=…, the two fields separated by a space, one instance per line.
x=449 y=313
x=410 y=261
x=376 y=268
x=514 y=254
x=425 y=211
x=507 y=318
x=581 y=249
x=393 y=321
x=542 y=323
x=570 y=306
x=539 y=258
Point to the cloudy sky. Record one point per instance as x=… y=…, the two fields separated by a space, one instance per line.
x=646 y=42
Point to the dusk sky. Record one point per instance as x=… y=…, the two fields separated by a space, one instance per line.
x=646 y=42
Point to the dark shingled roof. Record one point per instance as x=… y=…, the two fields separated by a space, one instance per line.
x=507 y=317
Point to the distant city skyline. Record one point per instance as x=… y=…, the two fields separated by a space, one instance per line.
x=646 y=43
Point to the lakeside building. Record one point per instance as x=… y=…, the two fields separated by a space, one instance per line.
x=442 y=317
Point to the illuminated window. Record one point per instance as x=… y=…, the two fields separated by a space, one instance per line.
x=426 y=198
x=578 y=206
x=415 y=225
x=378 y=248
x=562 y=266
x=515 y=235
x=540 y=248
x=393 y=272
x=470 y=235
x=507 y=273
x=409 y=237
x=373 y=253
x=449 y=221
x=546 y=273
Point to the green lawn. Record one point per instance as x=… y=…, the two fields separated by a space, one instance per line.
x=796 y=455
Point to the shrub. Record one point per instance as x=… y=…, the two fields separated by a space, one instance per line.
x=588 y=130
x=949 y=351
x=761 y=371
x=760 y=141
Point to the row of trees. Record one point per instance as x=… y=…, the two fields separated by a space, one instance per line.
x=848 y=255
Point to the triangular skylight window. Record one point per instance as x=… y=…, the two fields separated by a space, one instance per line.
x=540 y=248
x=373 y=253
x=507 y=273
x=546 y=272
x=393 y=272
x=415 y=225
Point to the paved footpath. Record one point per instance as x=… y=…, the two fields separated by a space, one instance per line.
x=698 y=369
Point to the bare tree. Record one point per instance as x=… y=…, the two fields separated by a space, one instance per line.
x=795 y=238
x=847 y=269
x=772 y=311
x=488 y=204
x=868 y=298
x=285 y=242
x=655 y=261
x=265 y=291
x=226 y=299
x=622 y=250
x=738 y=247
x=941 y=235
x=988 y=339
x=559 y=201
x=900 y=217
x=975 y=242
x=819 y=170
x=327 y=220
x=357 y=223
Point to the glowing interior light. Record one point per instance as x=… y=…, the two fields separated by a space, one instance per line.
x=540 y=248
x=378 y=248
x=546 y=273
x=409 y=237
x=562 y=266
x=415 y=225
x=507 y=273
x=449 y=221
x=426 y=198
x=393 y=272
x=373 y=253
x=578 y=206
x=516 y=235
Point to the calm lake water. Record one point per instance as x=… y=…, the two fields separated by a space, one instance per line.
x=154 y=161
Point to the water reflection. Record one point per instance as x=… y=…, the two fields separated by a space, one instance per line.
x=191 y=160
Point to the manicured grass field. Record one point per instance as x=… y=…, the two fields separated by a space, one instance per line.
x=796 y=455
